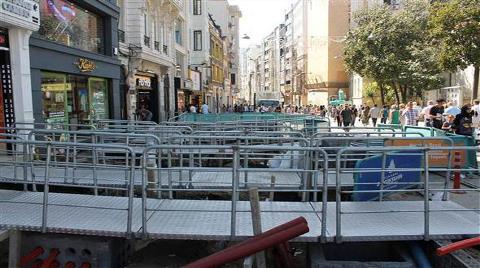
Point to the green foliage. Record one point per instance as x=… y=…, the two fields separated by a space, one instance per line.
x=371 y=91
x=393 y=48
x=455 y=29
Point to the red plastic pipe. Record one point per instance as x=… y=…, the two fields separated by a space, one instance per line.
x=86 y=265
x=285 y=226
x=32 y=255
x=70 y=265
x=249 y=248
x=468 y=243
x=55 y=264
x=51 y=258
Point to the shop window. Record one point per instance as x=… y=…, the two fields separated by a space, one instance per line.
x=69 y=24
x=74 y=99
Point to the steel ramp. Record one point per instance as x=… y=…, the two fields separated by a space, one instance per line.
x=210 y=220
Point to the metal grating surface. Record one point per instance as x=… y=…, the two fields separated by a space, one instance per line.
x=210 y=220
x=260 y=179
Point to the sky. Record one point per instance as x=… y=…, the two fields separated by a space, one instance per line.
x=260 y=17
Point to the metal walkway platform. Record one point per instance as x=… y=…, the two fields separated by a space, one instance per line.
x=210 y=220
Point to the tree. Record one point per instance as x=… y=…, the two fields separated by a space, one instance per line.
x=393 y=49
x=455 y=29
x=371 y=91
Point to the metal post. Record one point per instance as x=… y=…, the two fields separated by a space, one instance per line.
x=144 y=192
x=169 y=174
x=382 y=176
x=338 y=199
x=325 y=196
x=94 y=170
x=426 y=196
x=131 y=180
x=236 y=177
x=45 y=190
x=447 y=176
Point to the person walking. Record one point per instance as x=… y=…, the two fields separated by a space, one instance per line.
x=410 y=115
x=375 y=113
x=346 y=115
x=394 y=115
x=366 y=116
x=436 y=114
x=426 y=114
x=354 y=115
x=193 y=109
x=204 y=108
x=384 y=114
x=463 y=123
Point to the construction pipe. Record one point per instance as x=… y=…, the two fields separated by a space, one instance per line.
x=70 y=265
x=86 y=265
x=285 y=226
x=55 y=264
x=250 y=247
x=468 y=243
x=32 y=255
x=419 y=256
x=51 y=258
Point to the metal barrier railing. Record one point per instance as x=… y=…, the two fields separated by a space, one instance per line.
x=42 y=168
x=232 y=171
x=253 y=133
x=169 y=170
x=411 y=161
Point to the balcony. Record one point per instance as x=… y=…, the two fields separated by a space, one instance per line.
x=121 y=36
x=156 y=45
x=146 y=40
x=165 y=49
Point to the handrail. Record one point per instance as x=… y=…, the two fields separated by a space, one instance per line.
x=426 y=168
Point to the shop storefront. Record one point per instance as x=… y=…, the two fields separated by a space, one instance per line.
x=147 y=94
x=82 y=82
x=73 y=98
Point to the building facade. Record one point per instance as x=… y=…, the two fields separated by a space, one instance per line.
x=153 y=55
x=286 y=58
x=16 y=103
x=82 y=81
x=327 y=26
x=216 y=87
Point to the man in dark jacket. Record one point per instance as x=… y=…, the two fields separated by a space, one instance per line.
x=463 y=123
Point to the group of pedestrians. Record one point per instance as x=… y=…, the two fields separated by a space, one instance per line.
x=440 y=115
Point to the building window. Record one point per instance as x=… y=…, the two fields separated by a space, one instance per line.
x=73 y=98
x=67 y=23
x=178 y=32
x=197 y=7
x=197 y=40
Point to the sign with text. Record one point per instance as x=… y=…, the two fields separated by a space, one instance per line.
x=196 y=80
x=437 y=158
x=394 y=179
x=85 y=65
x=144 y=82
x=22 y=13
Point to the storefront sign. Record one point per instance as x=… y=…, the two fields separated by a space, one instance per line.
x=366 y=183
x=196 y=80
x=144 y=82
x=23 y=13
x=85 y=65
